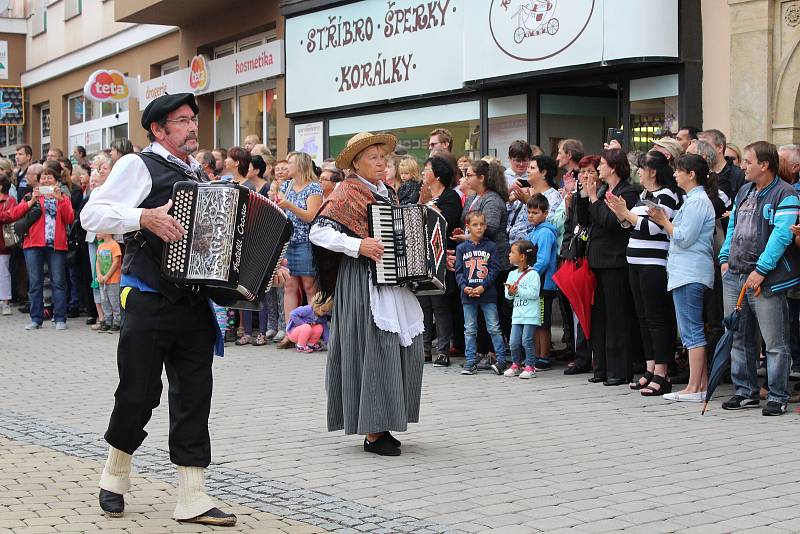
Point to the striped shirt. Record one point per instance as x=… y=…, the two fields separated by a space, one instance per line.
x=649 y=244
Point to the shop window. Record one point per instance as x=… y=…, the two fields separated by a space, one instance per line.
x=413 y=126
x=251 y=115
x=271 y=138
x=224 y=123
x=118 y=132
x=654 y=110
x=563 y=116
x=508 y=121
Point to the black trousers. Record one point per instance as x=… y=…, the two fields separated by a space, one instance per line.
x=158 y=334
x=656 y=312
x=612 y=324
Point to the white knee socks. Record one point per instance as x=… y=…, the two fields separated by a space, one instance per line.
x=192 y=498
x=116 y=476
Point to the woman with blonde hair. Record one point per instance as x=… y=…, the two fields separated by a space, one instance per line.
x=300 y=197
x=408 y=171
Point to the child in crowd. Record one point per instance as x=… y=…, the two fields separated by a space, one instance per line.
x=408 y=193
x=522 y=286
x=544 y=237
x=308 y=324
x=477 y=267
x=109 y=260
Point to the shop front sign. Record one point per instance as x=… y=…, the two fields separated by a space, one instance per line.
x=107 y=86
x=207 y=76
x=3 y=60
x=198 y=73
x=373 y=50
x=377 y=50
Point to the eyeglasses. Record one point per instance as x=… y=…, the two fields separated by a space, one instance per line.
x=184 y=121
x=427 y=170
x=433 y=145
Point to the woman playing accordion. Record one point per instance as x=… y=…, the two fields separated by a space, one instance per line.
x=375 y=354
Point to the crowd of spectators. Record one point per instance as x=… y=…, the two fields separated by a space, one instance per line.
x=671 y=235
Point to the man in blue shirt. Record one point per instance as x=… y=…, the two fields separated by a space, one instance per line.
x=758 y=254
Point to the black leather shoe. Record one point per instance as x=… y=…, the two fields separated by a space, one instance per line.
x=113 y=504
x=596 y=379
x=91 y=320
x=576 y=370
x=73 y=313
x=615 y=382
x=214 y=517
x=393 y=440
x=381 y=446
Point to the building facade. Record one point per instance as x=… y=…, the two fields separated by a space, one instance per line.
x=231 y=58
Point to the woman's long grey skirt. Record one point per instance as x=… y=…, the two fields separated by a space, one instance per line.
x=373 y=384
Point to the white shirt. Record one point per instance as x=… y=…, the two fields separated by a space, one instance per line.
x=112 y=207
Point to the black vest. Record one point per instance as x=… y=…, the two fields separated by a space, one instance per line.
x=144 y=249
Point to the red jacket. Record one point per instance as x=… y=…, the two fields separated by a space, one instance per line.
x=64 y=217
x=7 y=203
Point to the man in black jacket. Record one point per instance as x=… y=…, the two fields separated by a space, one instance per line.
x=731 y=177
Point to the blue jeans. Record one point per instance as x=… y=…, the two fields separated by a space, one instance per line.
x=35 y=258
x=689 y=312
x=771 y=316
x=522 y=337
x=794 y=331
x=492 y=319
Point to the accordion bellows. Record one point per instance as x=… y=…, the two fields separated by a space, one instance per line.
x=234 y=242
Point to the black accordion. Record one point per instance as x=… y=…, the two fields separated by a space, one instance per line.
x=235 y=239
x=414 y=253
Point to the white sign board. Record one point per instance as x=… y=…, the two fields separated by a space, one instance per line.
x=373 y=50
x=308 y=138
x=258 y=63
x=3 y=60
x=384 y=49
x=517 y=36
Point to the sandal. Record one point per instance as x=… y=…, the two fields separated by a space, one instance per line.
x=260 y=340
x=638 y=385
x=243 y=340
x=665 y=386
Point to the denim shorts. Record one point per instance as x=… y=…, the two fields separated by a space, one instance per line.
x=301 y=261
x=689 y=312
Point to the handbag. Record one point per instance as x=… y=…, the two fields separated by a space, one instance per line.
x=15 y=232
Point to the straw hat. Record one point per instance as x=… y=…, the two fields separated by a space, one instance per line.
x=359 y=142
x=671 y=145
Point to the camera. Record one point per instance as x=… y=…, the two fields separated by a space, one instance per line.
x=46 y=189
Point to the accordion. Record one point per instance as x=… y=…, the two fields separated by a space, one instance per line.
x=234 y=242
x=414 y=253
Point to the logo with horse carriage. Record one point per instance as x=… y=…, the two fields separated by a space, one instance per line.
x=532 y=30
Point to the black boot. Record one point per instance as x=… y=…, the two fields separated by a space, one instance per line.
x=113 y=504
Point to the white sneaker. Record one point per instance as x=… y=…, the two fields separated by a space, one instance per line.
x=794 y=373
x=61 y=326
x=33 y=326
x=270 y=333
x=513 y=371
x=529 y=372
x=6 y=309
x=279 y=336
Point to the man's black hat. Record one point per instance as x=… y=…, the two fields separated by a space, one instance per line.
x=161 y=106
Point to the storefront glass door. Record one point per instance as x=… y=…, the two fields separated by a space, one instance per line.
x=586 y=117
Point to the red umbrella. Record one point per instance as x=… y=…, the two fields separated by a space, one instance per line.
x=577 y=282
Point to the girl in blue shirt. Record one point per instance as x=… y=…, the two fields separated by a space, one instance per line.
x=522 y=286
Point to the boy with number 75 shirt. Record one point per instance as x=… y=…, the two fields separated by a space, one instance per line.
x=477 y=266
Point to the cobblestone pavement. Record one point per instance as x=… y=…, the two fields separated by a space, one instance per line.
x=490 y=453
x=43 y=490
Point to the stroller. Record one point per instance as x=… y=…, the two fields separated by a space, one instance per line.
x=535 y=18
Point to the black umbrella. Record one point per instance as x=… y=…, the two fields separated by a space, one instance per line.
x=722 y=353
